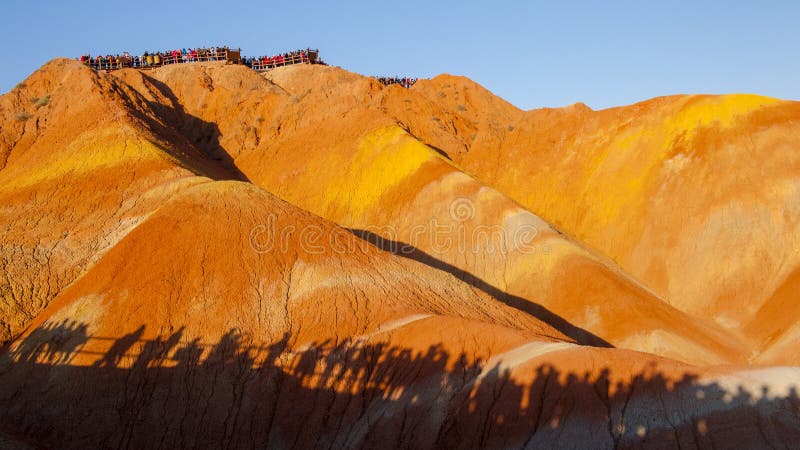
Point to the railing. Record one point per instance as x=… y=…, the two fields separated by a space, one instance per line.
x=159 y=60
x=153 y=61
x=264 y=64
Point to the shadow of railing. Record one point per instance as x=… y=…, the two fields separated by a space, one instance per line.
x=409 y=251
x=172 y=391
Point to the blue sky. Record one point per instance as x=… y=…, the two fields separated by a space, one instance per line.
x=531 y=53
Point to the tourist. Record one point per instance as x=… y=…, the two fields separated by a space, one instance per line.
x=177 y=56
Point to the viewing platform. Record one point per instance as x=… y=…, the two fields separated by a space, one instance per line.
x=153 y=60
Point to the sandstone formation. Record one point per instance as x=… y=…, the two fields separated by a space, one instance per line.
x=695 y=196
x=203 y=256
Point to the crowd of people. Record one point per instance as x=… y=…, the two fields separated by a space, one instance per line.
x=307 y=56
x=204 y=54
x=156 y=59
x=406 y=82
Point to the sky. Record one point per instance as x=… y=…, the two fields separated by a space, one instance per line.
x=532 y=53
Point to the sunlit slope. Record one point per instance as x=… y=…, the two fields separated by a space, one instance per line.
x=775 y=328
x=405 y=192
x=337 y=151
x=84 y=161
x=351 y=150
x=195 y=269
x=226 y=254
x=694 y=195
x=188 y=323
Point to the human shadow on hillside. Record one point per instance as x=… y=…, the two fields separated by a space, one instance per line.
x=191 y=135
x=580 y=335
x=174 y=391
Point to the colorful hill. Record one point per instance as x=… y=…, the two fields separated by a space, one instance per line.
x=204 y=256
